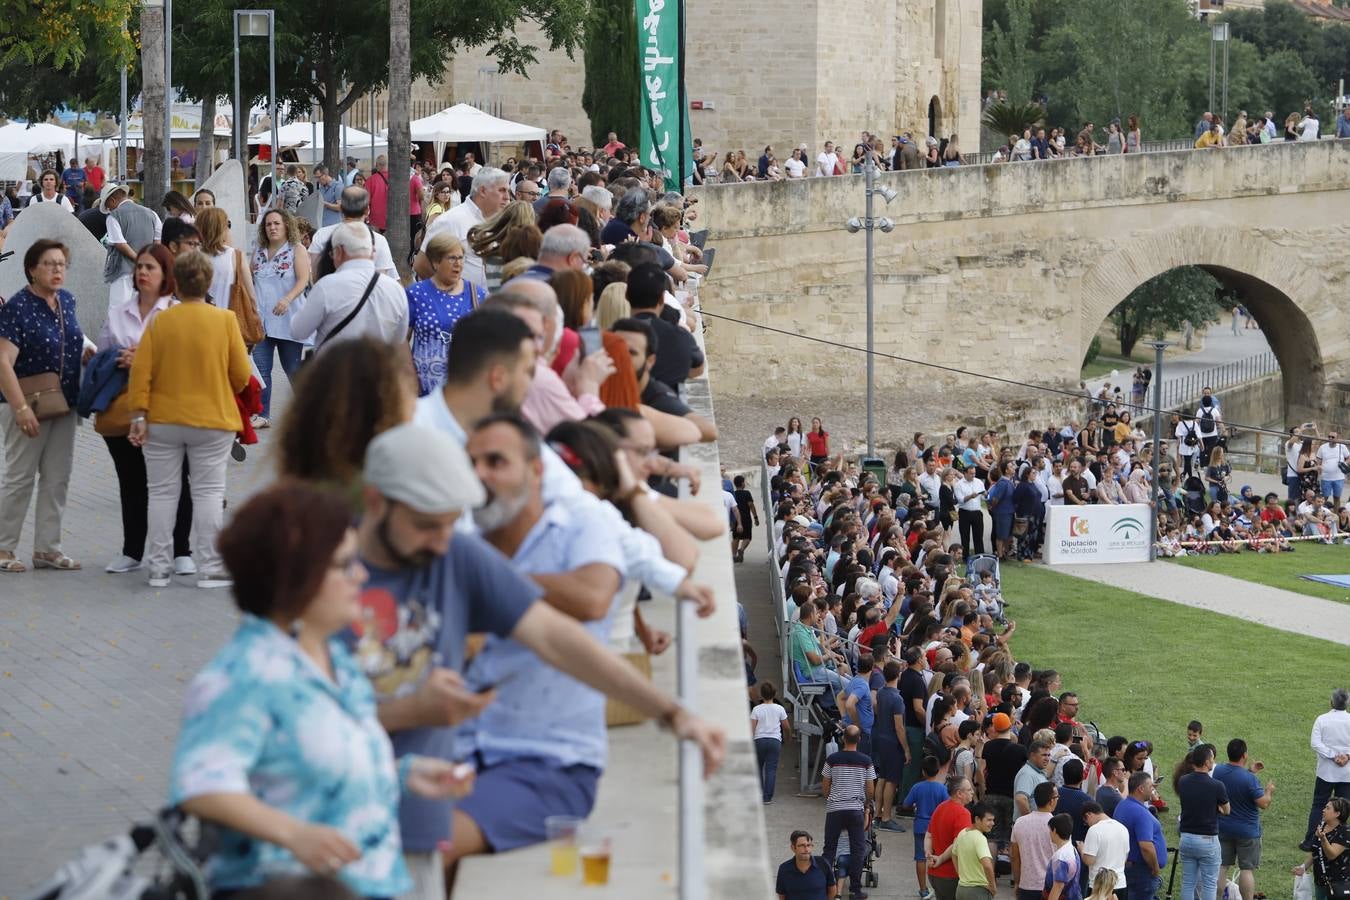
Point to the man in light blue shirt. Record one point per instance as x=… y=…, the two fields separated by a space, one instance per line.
x=542 y=745
x=330 y=192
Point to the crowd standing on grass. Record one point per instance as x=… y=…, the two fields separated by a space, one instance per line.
x=511 y=468
x=995 y=757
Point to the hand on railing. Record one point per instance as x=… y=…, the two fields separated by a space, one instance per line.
x=711 y=739
x=700 y=594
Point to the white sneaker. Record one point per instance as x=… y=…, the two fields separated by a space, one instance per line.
x=215 y=580
x=183 y=565
x=160 y=578
x=123 y=564
x=259 y=422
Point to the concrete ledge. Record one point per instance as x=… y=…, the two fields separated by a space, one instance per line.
x=639 y=793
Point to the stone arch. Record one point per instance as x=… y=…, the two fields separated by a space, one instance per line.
x=1271 y=281
x=934 y=115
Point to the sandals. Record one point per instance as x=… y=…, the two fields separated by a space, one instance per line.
x=12 y=566
x=58 y=561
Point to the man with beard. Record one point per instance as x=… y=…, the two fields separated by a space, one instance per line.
x=429 y=588
x=542 y=745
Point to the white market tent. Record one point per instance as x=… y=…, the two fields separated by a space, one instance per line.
x=466 y=124
x=302 y=137
x=18 y=142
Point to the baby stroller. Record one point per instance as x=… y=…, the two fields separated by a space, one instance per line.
x=871 y=852
x=1193 y=496
x=979 y=564
x=106 y=871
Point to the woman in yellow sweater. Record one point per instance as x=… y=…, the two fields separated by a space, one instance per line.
x=189 y=366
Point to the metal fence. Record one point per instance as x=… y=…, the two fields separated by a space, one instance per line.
x=984 y=159
x=1187 y=389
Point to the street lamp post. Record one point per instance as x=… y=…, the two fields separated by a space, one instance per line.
x=256 y=23
x=1218 y=34
x=1158 y=347
x=869 y=223
x=168 y=95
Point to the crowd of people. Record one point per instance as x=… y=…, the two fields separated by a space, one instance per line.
x=906 y=151
x=504 y=432
x=937 y=718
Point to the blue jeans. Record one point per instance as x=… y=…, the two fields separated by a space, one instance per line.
x=766 y=753
x=1200 y=857
x=1333 y=488
x=289 y=351
x=1295 y=492
x=1140 y=883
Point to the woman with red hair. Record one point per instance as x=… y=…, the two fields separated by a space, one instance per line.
x=156 y=291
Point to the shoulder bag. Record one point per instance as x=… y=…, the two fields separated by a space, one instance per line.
x=42 y=392
x=244 y=307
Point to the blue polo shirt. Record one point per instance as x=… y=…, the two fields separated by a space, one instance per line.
x=1143 y=826
x=1244 y=817
x=858 y=687
x=813 y=884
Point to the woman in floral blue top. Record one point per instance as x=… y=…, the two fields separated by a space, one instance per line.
x=39 y=334
x=435 y=305
x=280 y=275
x=280 y=743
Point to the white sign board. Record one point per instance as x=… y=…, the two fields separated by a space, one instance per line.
x=1097 y=534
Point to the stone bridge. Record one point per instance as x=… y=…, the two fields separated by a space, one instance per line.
x=1010 y=270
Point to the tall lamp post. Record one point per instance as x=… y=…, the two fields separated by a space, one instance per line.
x=1158 y=347
x=168 y=95
x=256 y=23
x=869 y=224
x=1218 y=34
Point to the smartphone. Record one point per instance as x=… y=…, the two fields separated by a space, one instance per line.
x=708 y=256
x=590 y=340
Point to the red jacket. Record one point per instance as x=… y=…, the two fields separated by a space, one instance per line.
x=249 y=401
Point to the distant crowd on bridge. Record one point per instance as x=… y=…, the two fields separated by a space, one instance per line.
x=1035 y=143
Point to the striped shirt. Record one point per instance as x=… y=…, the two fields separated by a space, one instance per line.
x=849 y=771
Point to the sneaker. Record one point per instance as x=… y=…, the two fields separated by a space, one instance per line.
x=259 y=422
x=123 y=564
x=890 y=825
x=183 y=565
x=860 y=895
x=214 y=580
x=926 y=894
x=160 y=578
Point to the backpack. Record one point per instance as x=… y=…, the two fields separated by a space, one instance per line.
x=1207 y=418
x=933 y=746
x=326 y=265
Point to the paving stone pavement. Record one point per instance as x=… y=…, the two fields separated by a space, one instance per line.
x=92 y=673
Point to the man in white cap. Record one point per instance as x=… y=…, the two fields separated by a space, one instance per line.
x=430 y=586
x=130 y=227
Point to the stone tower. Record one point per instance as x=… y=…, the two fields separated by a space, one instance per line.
x=801 y=73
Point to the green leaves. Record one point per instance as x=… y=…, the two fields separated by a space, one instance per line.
x=1166 y=303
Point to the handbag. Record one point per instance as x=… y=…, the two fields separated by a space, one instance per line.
x=115 y=421
x=42 y=392
x=1338 y=890
x=360 y=305
x=1020 y=525
x=244 y=307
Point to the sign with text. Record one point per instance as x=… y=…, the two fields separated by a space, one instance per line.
x=661 y=117
x=1097 y=534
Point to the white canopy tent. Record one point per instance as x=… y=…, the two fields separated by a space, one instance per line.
x=18 y=142
x=307 y=140
x=465 y=124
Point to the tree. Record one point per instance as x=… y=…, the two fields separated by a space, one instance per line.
x=61 y=33
x=1012 y=118
x=400 y=139
x=613 y=91
x=333 y=59
x=33 y=85
x=1012 y=63
x=1166 y=303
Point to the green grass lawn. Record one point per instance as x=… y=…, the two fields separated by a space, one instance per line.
x=1145 y=667
x=1106 y=362
x=1282 y=570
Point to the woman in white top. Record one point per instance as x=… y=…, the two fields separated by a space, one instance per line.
x=214 y=226
x=795 y=439
x=280 y=272
x=127 y=321
x=48 y=193
x=769 y=724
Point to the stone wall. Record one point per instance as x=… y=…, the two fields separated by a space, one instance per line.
x=1009 y=270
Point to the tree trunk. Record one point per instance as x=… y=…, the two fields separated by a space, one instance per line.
x=332 y=126
x=1128 y=332
x=400 y=141
x=206 y=141
x=152 y=106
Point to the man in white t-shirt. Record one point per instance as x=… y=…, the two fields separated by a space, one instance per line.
x=770 y=723
x=826 y=161
x=796 y=168
x=487 y=196
x=1332 y=454
x=1106 y=845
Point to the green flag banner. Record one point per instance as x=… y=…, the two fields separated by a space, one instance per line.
x=659 y=63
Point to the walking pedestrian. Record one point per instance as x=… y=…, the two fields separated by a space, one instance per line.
x=769 y=724
x=280 y=269
x=848 y=781
x=40 y=350
x=1203 y=800
x=805 y=876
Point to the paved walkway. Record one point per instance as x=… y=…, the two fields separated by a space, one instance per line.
x=92 y=672
x=1247 y=600
x=1221 y=347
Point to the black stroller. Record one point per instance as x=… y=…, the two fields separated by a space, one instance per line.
x=1193 y=496
x=116 y=869
x=871 y=852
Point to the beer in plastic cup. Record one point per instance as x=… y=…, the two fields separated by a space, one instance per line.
x=594 y=847
x=562 y=839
